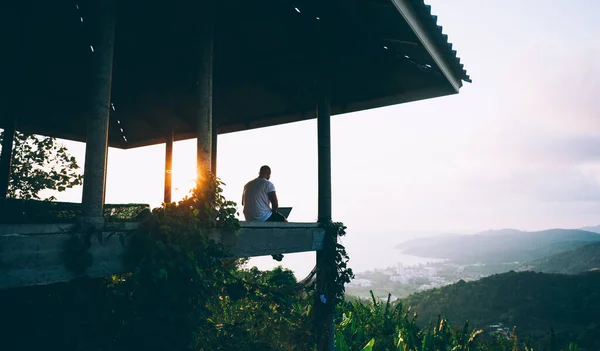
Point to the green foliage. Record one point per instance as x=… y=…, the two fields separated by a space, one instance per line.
x=335 y=257
x=263 y=311
x=40 y=163
x=178 y=271
x=384 y=326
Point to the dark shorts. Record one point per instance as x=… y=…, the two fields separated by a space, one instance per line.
x=276 y=217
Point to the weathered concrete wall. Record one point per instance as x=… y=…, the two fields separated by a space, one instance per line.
x=33 y=254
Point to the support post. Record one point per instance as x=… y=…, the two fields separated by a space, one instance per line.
x=324 y=307
x=6 y=159
x=102 y=22
x=324 y=303
x=324 y=154
x=12 y=98
x=169 y=166
x=213 y=157
x=205 y=91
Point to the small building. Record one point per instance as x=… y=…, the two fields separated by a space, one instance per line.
x=89 y=70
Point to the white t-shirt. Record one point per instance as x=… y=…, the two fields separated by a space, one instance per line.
x=256 y=200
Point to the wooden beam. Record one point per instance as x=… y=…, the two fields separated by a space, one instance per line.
x=32 y=254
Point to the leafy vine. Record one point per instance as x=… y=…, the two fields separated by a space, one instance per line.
x=336 y=262
x=179 y=270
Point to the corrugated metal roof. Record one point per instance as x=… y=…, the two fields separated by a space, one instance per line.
x=429 y=20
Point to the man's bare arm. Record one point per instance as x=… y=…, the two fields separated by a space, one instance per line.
x=274 y=202
x=244 y=197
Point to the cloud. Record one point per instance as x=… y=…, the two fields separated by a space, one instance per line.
x=575 y=149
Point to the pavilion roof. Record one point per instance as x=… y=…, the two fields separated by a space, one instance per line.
x=383 y=52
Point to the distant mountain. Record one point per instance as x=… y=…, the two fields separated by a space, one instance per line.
x=581 y=259
x=594 y=229
x=498 y=246
x=506 y=231
x=534 y=302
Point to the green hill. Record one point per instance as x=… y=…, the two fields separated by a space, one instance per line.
x=581 y=259
x=507 y=245
x=535 y=302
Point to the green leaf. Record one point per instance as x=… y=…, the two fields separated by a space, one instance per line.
x=369 y=345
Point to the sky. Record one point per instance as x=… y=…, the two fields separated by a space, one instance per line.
x=517 y=148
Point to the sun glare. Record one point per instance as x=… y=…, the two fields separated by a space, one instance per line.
x=184 y=169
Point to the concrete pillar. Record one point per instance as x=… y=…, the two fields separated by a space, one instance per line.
x=324 y=155
x=168 y=166
x=205 y=90
x=6 y=158
x=324 y=309
x=12 y=97
x=102 y=24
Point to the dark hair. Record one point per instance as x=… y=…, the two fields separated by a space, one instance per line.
x=265 y=170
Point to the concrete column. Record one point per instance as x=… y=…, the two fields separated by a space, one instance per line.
x=6 y=158
x=324 y=155
x=168 y=166
x=325 y=270
x=12 y=97
x=102 y=24
x=205 y=90
x=324 y=310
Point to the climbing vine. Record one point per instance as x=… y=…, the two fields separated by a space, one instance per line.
x=335 y=262
x=178 y=270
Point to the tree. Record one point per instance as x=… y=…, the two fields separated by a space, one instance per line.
x=40 y=163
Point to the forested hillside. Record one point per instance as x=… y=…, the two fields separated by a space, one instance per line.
x=582 y=259
x=535 y=302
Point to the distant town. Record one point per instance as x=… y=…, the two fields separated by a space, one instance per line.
x=402 y=280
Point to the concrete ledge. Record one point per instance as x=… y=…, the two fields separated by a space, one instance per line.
x=32 y=254
x=37 y=259
x=59 y=228
x=269 y=238
x=285 y=225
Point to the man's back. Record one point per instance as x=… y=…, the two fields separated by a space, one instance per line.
x=256 y=199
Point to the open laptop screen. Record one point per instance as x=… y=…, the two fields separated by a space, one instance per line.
x=285 y=211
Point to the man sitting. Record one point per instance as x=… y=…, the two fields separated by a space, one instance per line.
x=260 y=200
x=258 y=193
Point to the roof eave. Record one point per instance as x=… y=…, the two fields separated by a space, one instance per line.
x=426 y=39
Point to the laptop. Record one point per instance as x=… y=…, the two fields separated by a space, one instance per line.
x=285 y=211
